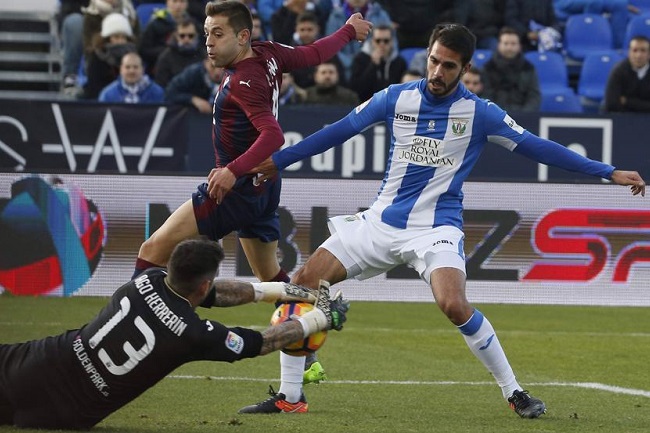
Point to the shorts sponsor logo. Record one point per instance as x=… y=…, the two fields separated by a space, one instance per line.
x=234 y=342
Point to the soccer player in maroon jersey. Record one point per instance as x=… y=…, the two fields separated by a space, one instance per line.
x=245 y=132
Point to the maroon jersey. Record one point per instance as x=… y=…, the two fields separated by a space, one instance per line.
x=245 y=127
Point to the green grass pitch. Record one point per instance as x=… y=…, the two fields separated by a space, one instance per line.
x=396 y=367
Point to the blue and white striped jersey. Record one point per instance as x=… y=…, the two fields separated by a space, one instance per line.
x=434 y=144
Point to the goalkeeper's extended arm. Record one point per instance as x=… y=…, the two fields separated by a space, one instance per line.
x=229 y=293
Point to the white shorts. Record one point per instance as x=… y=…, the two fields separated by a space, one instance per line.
x=367 y=247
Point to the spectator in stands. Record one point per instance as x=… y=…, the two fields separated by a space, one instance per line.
x=371 y=11
x=618 y=11
x=133 y=86
x=327 y=89
x=196 y=9
x=533 y=20
x=377 y=65
x=266 y=9
x=258 y=33
x=510 y=80
x=183 y=50
x=160 y=30
x=628 y=86
x=283 y=21
x=484 y=18
x=472 y=81
x=419 y=62
x=71 y=23
x=307 y=31
x=196 y=86
x=94 y=15
x=413 y=20
x=411 y=75
x=290 y=93
x=114 y=40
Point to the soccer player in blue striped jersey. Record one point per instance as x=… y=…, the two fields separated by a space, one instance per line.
x=437 y=131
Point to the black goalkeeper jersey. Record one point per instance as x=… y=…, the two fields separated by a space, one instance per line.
x=76 y=379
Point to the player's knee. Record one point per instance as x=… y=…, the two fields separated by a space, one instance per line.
x=155 y=250
x=304 y=277
x=457 y=309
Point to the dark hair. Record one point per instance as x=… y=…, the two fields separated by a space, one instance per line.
x=192 y=262
x=185 y=21
x=474 y=70
x=456 y=37
x=509 y=31
x=307 y=17
x=639 y=38
x=238 y=14
x=383 y=26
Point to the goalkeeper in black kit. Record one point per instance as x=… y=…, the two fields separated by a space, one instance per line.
x=149 y=328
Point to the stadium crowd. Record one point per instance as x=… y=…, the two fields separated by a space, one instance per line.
x=516 y=39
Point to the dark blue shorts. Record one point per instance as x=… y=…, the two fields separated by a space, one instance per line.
x=249 y=210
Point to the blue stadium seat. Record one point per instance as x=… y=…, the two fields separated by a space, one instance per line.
x=561 y=101
x=408 y=53
x=594 y=74
x=480 y=57
x=587 y=33
x=551 y=70
x=144 y=11
x=639 y=25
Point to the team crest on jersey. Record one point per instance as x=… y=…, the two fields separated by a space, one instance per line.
x=459 y=126
x=432 y=125
x=234 y=342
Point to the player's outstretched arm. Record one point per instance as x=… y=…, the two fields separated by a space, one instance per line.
x=632 y=178
x=229 y=293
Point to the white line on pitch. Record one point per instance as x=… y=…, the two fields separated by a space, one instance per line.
x=586 y=385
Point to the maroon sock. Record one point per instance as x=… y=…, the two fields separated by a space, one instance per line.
x=142 y=265
x=282 y=276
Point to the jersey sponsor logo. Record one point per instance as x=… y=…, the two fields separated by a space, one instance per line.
x=245 y=83
x=406 y=117
x=234 y=342
x=425 y=151
x=459 y=126
x=93 y=375
x=513 y=125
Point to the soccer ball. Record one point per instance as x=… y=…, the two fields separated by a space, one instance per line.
x=302 y=347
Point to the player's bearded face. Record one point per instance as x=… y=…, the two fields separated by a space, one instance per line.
x=444 y=70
